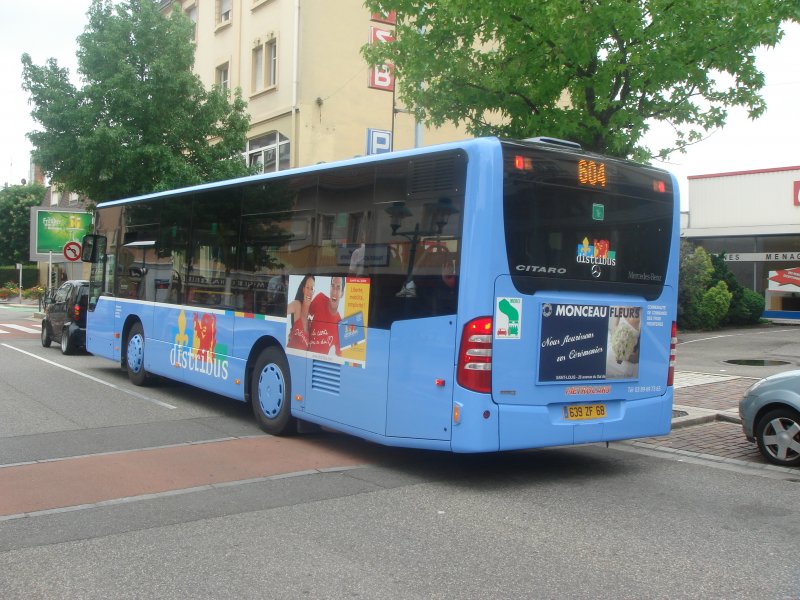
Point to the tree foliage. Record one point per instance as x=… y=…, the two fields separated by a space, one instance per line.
x=746 y=306
x=15 y=220
x=591 y=71
x=142 y=120
x=706 y=285
x=714 y=306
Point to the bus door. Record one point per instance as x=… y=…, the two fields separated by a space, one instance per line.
x=345 y=364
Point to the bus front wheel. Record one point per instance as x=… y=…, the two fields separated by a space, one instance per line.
x=134 y=355
x=270 y=392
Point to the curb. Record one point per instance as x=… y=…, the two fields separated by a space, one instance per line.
x=698 y=416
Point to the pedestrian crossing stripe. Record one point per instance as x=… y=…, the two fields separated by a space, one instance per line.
x=17 y=327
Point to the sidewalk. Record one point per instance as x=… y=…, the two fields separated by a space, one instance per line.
x=706 y=422
x=703 y=397
x=27 y=305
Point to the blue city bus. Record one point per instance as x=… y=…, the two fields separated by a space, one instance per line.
x=478 y=296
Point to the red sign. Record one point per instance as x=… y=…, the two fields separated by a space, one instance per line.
x=796 y=193
x=381 y=77
x=72 y=251
x=389 y=19
x=787 y=277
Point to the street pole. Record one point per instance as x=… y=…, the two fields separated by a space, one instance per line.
x=19 y=266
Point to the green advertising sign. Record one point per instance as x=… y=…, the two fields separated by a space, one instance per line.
x=55 y=228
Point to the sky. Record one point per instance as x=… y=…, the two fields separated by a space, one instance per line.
x=49 y=28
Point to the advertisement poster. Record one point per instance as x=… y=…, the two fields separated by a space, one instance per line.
x=581 y=342
x=55 y=228
x=786 y=280
x=327 y=318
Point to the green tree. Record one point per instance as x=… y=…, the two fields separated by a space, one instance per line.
x=713 y=307
x=696 y=271
x=592 y=71
x=15 y=221
x=749 y=309
x=746 y=305
x=142 y=120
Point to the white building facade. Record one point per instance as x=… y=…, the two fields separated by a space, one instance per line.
x=753 y=217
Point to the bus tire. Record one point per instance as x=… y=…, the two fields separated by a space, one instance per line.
x=46 y=337
x=134 y=355
x=270 y=392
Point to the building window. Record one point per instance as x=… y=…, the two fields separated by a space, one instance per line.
x=272 y=63
x=265 y=66
x=223 y=11
x=191 y=12
x=221 y=78
x=269 y=152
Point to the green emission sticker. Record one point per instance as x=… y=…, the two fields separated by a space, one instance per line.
x=508 y=319
x=598 y=212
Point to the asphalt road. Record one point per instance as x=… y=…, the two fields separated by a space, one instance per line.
x=583 y=522
x=711 y=352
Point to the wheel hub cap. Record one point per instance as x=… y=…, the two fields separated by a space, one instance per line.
x=135 y=353
x=270 y=391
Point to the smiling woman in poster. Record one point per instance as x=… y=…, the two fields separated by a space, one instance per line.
x=297 y=314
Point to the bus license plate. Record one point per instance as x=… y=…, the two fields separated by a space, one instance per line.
x=581 y=412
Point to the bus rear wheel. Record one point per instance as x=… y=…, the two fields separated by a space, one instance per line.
x=270 y=392
x=134 y=355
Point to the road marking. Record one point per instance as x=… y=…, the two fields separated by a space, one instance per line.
x=20 y=328
x=95 y=379
x=715 y=337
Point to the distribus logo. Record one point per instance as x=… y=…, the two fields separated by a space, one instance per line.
x=796 y=193
x=199 y=356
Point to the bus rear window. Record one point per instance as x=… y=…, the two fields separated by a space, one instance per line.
x=580 y=224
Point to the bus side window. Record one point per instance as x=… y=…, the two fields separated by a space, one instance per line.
x=418 y=220
x=214 y=248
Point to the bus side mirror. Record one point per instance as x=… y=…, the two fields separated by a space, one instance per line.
x=93 y=248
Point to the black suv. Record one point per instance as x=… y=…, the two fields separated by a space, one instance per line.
x=65 y=316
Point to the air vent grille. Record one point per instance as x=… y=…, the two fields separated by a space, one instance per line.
x=326 y=377
x=439 y=175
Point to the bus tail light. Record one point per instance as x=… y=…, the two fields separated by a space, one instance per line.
x=672 y=354
x=475 y=356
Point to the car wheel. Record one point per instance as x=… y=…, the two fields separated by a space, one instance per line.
x=270 y=392
x=46 y=337
x=134 y=356
x=67 y=347
x=778 y=437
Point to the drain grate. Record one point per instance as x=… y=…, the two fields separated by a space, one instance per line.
x=679 y=413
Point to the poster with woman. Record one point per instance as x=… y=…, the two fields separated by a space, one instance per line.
x=327 y=318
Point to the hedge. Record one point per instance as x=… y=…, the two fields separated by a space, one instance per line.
x=30 y=275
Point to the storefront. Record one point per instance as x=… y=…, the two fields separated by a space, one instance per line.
x=753 y=217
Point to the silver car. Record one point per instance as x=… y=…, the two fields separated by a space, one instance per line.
x=770 y=412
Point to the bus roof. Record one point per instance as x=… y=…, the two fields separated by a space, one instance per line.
x=549 y=143
x=358 y=160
